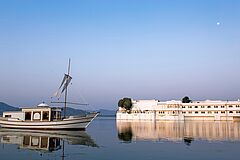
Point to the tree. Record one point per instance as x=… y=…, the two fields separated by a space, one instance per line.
x=186 y=100
x=125 y=103
x=120 y=103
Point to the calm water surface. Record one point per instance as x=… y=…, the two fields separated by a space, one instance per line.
x=107 y=139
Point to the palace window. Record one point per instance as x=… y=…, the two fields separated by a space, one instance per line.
x=203 y=112
x=237 y=106
x=222 y=107
x=230 y=106
x=202 y=106
x=216 y=112
x=183 y=106
x=230 y=111
x=209 y=112
x=237 y=111
x=222 y=111
x=215 y=106
x=196 y=106
x=189 y=106
x=209 y=107
x=183 y=112
x=196 y=112
x=190 y=112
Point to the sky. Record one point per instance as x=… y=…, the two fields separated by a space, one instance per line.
x=142 y=49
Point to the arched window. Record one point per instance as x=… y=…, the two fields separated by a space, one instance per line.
x=36 y=116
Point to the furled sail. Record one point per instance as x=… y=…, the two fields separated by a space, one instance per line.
x=68 y=80
x=65 y=82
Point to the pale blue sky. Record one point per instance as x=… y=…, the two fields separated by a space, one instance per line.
x=139 y=49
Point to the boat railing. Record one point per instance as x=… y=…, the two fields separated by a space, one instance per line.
x=2 y=118
x=93 y=114
x=73 y=117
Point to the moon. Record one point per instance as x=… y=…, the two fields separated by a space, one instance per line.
x=218 y=23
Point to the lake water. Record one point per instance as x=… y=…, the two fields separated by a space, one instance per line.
x=107 y=139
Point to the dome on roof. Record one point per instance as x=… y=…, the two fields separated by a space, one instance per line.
x=43 y=105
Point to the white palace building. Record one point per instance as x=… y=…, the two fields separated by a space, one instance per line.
x=176 y=110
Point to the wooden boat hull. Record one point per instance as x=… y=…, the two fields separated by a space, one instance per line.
x=71 y=123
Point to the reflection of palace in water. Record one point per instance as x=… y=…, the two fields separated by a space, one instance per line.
x=44 y=141
x=178 y=131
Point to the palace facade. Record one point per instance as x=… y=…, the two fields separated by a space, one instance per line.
x=176 y=110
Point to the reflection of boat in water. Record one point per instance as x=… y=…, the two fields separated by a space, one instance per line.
x=44 y=141
x=178 y=131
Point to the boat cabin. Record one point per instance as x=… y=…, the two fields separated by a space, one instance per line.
x=42 y=112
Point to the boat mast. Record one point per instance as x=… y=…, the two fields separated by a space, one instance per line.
x=65 y=98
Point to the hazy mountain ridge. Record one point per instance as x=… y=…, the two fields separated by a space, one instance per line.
x=70 y=111
x=6 y=107
x=105 y=112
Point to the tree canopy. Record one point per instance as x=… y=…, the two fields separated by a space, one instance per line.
x=186 y=100
x=125 y=103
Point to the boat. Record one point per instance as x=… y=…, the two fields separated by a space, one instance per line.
x=45 y=117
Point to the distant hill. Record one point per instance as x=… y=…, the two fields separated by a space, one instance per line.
x=6 y=107
x=107 y=113
x=70 y=111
